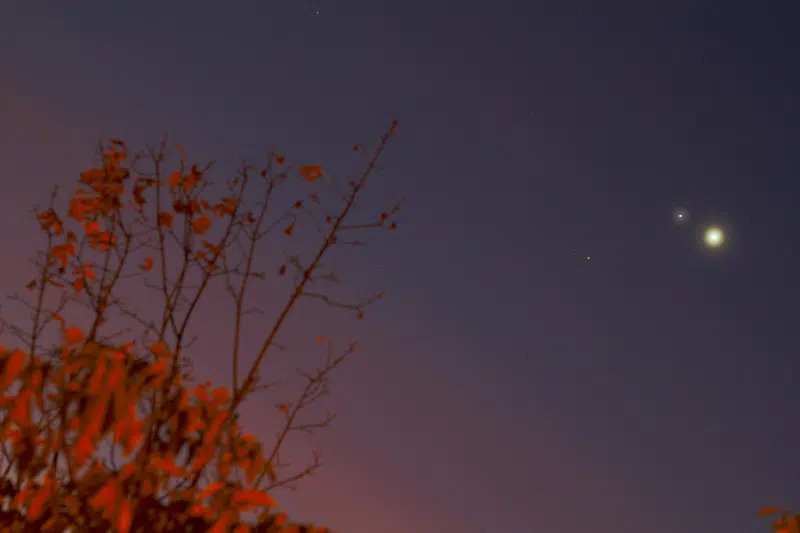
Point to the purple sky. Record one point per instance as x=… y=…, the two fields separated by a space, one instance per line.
x=507 y=383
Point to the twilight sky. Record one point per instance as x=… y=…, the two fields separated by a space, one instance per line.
x=507 y=383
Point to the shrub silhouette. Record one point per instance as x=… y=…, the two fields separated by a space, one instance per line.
x=100 y=433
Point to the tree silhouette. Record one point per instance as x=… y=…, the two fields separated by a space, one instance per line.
x=102 y=426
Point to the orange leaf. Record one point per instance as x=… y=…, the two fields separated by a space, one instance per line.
x=147 y=265
x=158 y=367
x=210 y=489
x=127 y=471
x=36 y=505
x=21 y=414
x=221 y=395
x=168 y=465
x=91 y=227
x=73 y=335
x=767 y=511
x=106 y=496
x=103 y=240
x=311 y=172
x=190 y=180
x=14 y=365
x=124 y=517
x=256 y=467
x=62 y=252
x=201 y=225
x=165 y=219
x=174 y=179
x=253 y=498
x=115 y=378
x=214 y=248
x=222 y=524
x=226 y=207
x=289 y=230
x=88 y=272
x=79 y=207
x=159 y=349
x=97 y=378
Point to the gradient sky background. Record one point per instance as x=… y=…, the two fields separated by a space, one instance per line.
x=507 y=384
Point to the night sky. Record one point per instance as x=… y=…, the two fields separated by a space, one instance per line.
x=507 y=383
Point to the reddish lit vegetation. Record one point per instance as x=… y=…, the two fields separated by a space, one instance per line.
x=105 y=429
x=785 y=521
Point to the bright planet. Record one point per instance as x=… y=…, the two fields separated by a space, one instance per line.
x=714 y=237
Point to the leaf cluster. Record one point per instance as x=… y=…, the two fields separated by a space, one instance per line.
x=99 y=433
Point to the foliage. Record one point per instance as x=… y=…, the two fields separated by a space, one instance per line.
x=100 y=433
x=784 y=521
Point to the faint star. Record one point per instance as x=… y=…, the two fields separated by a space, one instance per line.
x=680 y=215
